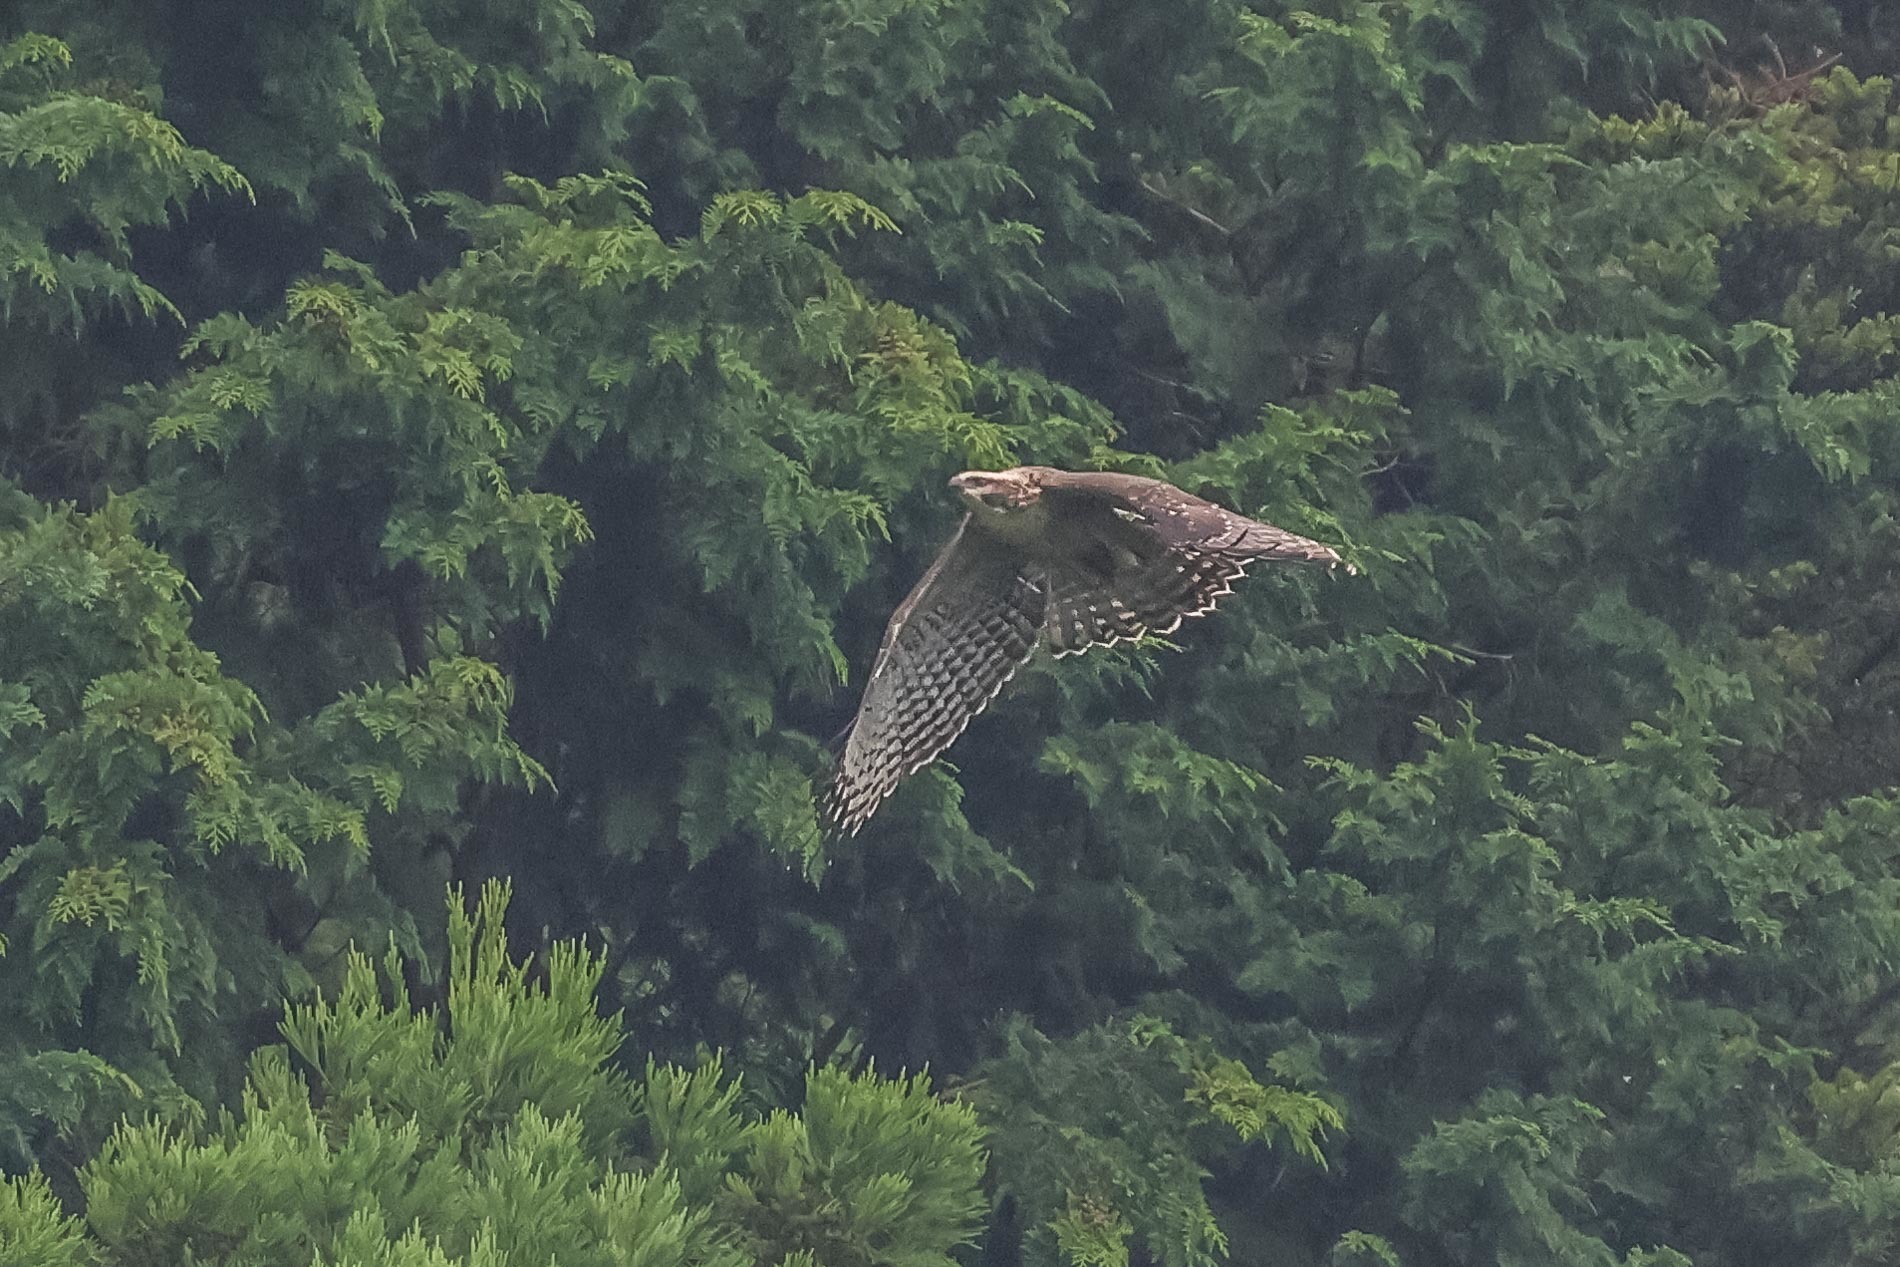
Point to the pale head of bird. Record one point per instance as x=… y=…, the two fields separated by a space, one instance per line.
x=998 y=492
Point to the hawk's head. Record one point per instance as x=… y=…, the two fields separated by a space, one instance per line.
x=995 y=491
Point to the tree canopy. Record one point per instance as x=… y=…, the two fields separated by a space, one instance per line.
x=475 y=448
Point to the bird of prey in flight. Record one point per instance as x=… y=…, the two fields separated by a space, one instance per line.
x=1069 y=558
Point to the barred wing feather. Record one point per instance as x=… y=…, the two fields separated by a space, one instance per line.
x=965 y=629
x=1163 y=556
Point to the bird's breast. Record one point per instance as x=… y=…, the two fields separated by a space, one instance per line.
x=1030 y=528
x=1064 y=543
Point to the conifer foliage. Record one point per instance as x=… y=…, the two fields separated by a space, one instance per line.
x=495 y=1131
x=443 y=444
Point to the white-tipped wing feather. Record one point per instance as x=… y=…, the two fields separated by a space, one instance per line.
x=1164 y=556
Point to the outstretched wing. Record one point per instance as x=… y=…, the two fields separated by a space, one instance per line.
x=1141 y=556
x=965 y=629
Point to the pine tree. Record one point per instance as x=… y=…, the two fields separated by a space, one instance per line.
x=496 y=1130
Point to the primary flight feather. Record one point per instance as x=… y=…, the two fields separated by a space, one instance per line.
x=1072 y=559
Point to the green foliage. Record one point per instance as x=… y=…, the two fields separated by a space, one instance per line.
x=497 y=1131
x=81 y=157
x=509 y=1044
x=868 y=1171
x=1112 y=1128
x=122 y=728
x=1510 y=1170
x=34 y=1230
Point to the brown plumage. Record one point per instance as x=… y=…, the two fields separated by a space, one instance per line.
x=1073 y=559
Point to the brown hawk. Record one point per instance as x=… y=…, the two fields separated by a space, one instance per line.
x=1074 y=559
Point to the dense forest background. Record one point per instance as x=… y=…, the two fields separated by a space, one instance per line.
x=471 y=448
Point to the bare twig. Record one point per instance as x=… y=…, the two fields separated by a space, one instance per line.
x=1482 y=655
x=1194 y=212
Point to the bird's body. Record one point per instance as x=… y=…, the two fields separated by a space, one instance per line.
x=1066 y=559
